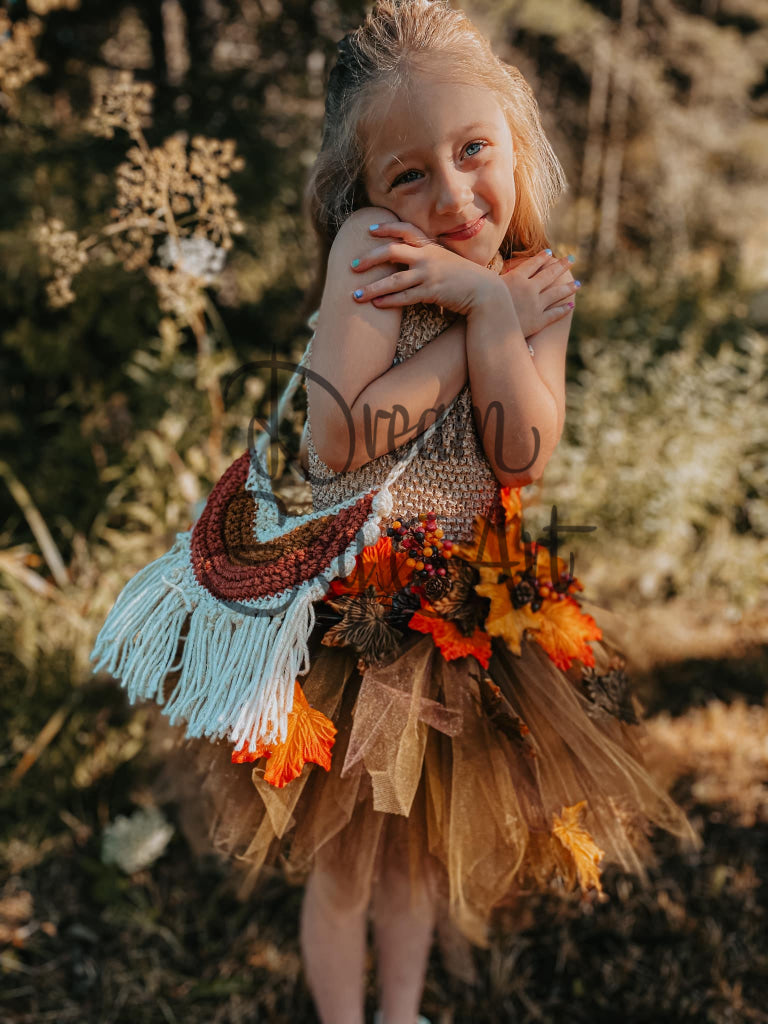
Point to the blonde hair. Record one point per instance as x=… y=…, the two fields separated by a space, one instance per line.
x=397 y=38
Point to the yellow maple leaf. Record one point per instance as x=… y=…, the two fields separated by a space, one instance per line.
x=503 y=618
x=310 y=736
x=580 y=844
x=563 y=630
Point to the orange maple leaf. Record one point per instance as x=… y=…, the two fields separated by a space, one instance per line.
x=310 y=736
x=379 y=566
x=580 y=844
x=563 y=630
x=513 y=506
x=494 y=550
x=449 y=639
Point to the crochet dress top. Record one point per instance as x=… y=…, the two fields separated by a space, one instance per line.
x=450 y=475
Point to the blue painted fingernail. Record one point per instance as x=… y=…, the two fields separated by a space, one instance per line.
x=571 y=258
x=358 y=294
x=355 y=263
x=577 y=283
x=373 y=227
x=548 y=252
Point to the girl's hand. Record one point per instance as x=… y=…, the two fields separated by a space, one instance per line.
x=432 y=274
x=540 y=287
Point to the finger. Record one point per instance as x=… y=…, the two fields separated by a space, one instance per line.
x=554 y=271
x=556 y=313
x=393 y=283
x=400 y=229
x=538 y=262
x=391 y=252
x=559 y=291
x=408 y=297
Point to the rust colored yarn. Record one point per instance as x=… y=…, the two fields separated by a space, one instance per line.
x=232 y=565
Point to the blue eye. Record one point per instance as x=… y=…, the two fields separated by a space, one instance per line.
x=404 y=178
x=474 y=152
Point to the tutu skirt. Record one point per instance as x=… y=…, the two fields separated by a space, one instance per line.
x=481 y=794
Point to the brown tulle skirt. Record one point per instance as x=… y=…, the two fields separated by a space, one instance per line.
x=424 y=778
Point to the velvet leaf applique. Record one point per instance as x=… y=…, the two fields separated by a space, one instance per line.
x=310 y=737
x=580 y=844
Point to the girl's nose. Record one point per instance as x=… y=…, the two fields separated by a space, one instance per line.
x=453 y=192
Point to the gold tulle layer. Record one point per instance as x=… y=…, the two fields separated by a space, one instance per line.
x=422 y=776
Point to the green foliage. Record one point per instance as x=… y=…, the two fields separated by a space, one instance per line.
x=665 y=453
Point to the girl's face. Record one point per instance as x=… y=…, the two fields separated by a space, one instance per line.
x=442 y=158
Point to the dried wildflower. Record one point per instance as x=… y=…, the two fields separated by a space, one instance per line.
x=197 y=257
x=120 y=102
x=18 y=60
x=210 y=162
x=136 y=842
x=66 y=257
x=177 y=292
x=131 y=45
x=157 y=185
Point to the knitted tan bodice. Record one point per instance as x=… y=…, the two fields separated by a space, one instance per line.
x=450 y=475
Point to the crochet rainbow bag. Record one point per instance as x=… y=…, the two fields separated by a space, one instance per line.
x=243 y=581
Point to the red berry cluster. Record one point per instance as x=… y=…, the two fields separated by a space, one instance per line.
x=527 y=588
x=423 y=540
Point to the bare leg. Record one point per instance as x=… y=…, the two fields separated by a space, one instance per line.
x=333 y=940
x=403 y=925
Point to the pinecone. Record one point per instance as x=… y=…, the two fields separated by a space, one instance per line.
x=436 y=587
x=523 y=593
x=404 y=604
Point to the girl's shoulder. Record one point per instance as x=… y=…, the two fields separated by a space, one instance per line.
x=354 y=231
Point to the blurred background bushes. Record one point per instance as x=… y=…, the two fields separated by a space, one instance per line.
x=119 y=330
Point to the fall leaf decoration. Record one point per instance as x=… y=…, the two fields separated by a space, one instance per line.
x=580 y=844
x=564 y=631
x=461 y=604
x=513 y=509
x=363 y=626
x=379 y=566
x=504 y=620
x=498 y=709
x=494 y=551
x=310 y=736
x=449 y=639
x=517 y=578
x=610 y=692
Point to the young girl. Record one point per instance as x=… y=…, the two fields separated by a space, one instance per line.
x=485 y=743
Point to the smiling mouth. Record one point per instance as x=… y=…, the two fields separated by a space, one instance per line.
x=466 y=230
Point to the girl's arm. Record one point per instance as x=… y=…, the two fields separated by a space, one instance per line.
x=381 y=405
x=513 y=395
